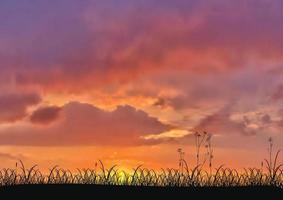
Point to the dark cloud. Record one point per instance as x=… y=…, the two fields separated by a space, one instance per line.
x=13 y=106
x=160 y=102
x=266 y=119
x=45 y=115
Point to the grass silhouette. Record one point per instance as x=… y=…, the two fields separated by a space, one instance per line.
x=270 y=174
x=195 y=177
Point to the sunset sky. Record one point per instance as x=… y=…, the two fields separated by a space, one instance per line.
x=130 y=81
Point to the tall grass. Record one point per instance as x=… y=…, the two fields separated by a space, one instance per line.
x=270 y=174
x=194 y=177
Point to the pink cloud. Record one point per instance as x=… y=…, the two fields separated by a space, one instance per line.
x=220 y=123
x=84 y=124
x=278 y=94
x=120 y=42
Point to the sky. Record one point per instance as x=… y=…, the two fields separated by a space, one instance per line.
x=130 y=82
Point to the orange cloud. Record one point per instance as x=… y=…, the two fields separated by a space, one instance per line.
x=84 y=124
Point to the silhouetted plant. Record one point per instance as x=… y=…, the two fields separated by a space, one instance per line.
x=181 y=159
x=182 y=177
x=209 y=152
x=272 y=166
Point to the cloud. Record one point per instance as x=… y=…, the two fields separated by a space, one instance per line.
x=220 y=123
x=13 y=106
x=160 y=102
x=266 y=119
x=8 y=156
x=114 y=43
x=278 y=94
x=45 y=115
x=187 y=54
x=84 y=124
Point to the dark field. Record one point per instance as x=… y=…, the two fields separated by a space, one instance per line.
x=97 y=191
